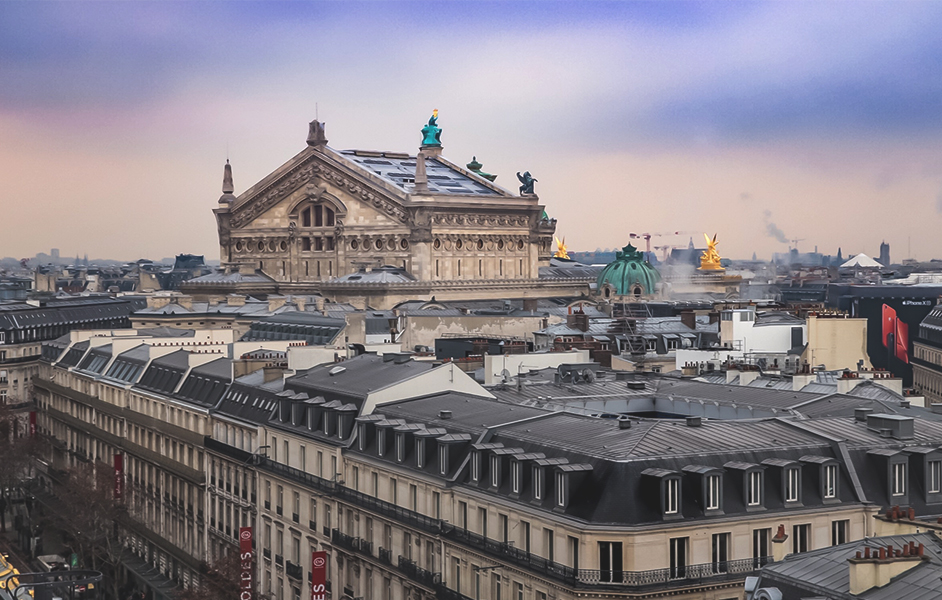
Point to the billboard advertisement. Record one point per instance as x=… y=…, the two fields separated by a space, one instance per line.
x=892 y=324
x=246 y=564
x=118 y=476
x=319 y=575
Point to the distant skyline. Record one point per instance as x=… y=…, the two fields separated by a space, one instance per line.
x=760 y=122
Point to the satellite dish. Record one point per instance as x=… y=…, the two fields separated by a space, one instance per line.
x=505 y=376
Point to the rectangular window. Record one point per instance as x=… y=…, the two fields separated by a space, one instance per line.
x=560 y=489
x=400 y=447
x=518 y=591
x=610 y=562
x=443 y=459
x=549 y=544
x=525 y=534
x=375 y=480
x=671 y=496
x=713 y=492
x=475 y=466
x=791 y=485
x=754 y=492
x=761 y=542
x=830 y=481
x=394 y=491
x=839 y=532
x=414 y=496
x=456 y=572
x=899 y=479
x=504 y=528
x=497 y=586
x=800 y=535
x=573 y=547
x=720 y=552
x=495 y=471
x=515 y=467
x=538 y=483
x=420 y=453
x=934 y=477
x=463 y=515
x=678 y=551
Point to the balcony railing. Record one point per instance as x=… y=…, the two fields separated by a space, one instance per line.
x=385 y=555
x=417 y=573
x=350 y=543
x=294 y=571
x=686 y=573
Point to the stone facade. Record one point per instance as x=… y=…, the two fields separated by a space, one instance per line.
x=328 y=213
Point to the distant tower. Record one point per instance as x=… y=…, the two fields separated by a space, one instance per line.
x=884 y=254
x=85 y=261
x=840 y=258
x=754 y=258
x=690 y=245
x=54 y=253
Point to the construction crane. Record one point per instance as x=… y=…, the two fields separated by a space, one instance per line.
x=647 y=236
x=795 y=242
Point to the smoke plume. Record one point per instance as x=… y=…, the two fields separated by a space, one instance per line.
x=772 y=229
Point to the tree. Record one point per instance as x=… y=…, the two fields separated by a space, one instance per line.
x=18 y=449
x=93 y=519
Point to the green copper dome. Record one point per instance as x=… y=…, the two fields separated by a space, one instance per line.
x=629 y=274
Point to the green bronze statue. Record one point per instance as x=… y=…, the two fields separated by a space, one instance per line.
x=475 y=167
x=432 y=133
x=527 y=180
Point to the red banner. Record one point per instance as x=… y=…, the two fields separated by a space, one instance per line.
x=319 y=575
x=118 y=476
x=246 y=562
x=32 y=423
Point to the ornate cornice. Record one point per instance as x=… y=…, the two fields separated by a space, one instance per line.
x=301 y=175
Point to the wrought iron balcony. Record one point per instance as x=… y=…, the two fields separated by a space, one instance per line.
x=294 y=571
x=417 y=573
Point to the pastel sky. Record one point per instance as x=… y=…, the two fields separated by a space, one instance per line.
x=761 y=122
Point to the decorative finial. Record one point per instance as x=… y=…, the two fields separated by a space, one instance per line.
x=227 y=187
x=527 y=180
x=475 y=167
x=432 y=133
x=317 y=134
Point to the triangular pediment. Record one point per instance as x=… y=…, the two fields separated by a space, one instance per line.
x=311 y=168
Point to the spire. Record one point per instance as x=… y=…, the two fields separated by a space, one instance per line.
x=227 y=187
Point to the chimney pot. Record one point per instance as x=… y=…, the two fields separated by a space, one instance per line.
x=882 y=553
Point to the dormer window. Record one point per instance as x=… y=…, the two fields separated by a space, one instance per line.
x=361 y=437
x=420 y=453
x=495 y=471
x=443 y=459
x=752 y=482
x=934 y=477
x=671 y=496
x=538 y=483
x=400 y=447
x=713 y=491
x=476 y=466
x=380 y=442
x=830 y=481
x=754 y=488
x=792 y=484
x=562 y=491
x=899 y=479
x=515 y=476
x=326 y=423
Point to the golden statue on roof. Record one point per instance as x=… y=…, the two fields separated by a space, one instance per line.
x=561 y=249
x=710 y=259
